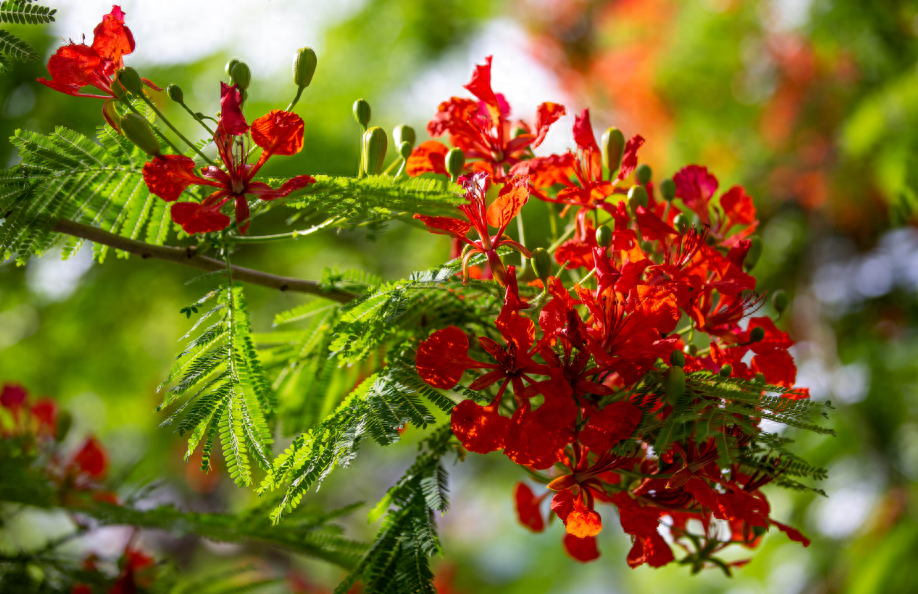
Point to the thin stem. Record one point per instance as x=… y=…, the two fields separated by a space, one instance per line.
x=174 y=129
x=299 y=92
x=567 y=234
x=284 y=236
x=195 y=116
x=388 y=170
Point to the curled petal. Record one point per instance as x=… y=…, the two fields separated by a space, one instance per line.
x=197 y=218
x=509 y=202
x=583 y=132
x=738 y=207
x=696 y=187
x=167 y=176
x=279 y=132
x=231 y=119
x=583 y=522
x=792 y=533
x=112 y=39
x=264 y=191
x=629 y=159
x=546 y=115
x=429 y=157
x=445 y=225
x=480 y=85
x=652 y=550
x=527 y=508
x=581 y=549
x=443 y=358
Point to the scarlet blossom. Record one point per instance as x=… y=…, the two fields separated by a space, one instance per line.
x=482 y=129
x=12 y=398
x=277 y=133
x=696 y=187
x=527 y=508
x=478 y=215
x=90 y=461
x=641 y=522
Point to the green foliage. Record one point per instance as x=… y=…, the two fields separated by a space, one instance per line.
x=24 y=12
x=16 y=49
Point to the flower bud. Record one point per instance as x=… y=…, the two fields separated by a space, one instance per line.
x=362 y=112
x=780 y=301
x=677 y=358
x=726 y=370
x=455 y=161
x=111 y=114
x=375 y=144
x=690 y=350
x=681 y=223
x=637 y=196
x=674 y=382
x=118 y=90
x=643 y=174
x=241 y=76
x=304 y=66
x=63 y=423
x=404 y=149
x=541 y=263
x=137 y=130
x=757 y=334
x=755 y=252
x=613 y=147
x=668 y=189
x=604 y=236
x=129 y=78
x=230 y=65
x=404 y=133
x=175 y=93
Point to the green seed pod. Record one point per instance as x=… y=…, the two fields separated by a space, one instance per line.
x=755 y=252
x=757 y=334
x=304 y=66
x=129 y=78
x=604 y=236
x=690 y=349
x=681 y=223
x=137 y=130
x=668 y=189
x=404 y=149
x=637 y=196
x=674 y=381
x=541 y=263
x=677 y=358
x=175 y=93
x=404 y=133
x=230 y=65
x=375 y=143
x=613 y=147
x=780 y=301
x=726 y=371
x=455 y=161
x=643 y=174
x=241 y=75
x=63 y=423
x=362 y=112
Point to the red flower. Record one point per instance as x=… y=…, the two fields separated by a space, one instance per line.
x=12 y=397
x=481 y=129
x=90 y=461
x=696 y=187
x=581 y=549
x=641 y=522
x=510 y=201
x=277 y=133
x=527 y=507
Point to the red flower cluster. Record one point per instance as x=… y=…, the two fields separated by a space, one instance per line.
x=558 y=379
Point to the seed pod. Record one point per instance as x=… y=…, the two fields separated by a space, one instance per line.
x=455 y=161
x=681 y=223
x=604 y=236
x=726 y=370
x=643 y=174
x=230 y=65
x=674 y=382
x=779 y=300
x=757 y=334
x=690 y=349
x=304 y=66
x=541 y=263
x=637 y=196
x=668 y=189
x=677 y=358
x=755 y=252
x=63 y=423
x=241 y=76
x=175 y=93
x=375 y=143
x=137 y=130
x=362 y=112
x=613 y=147
x=404 y=133
x=129 y=78
x=404 y=149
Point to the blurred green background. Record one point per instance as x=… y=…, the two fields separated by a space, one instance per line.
x=811 y=104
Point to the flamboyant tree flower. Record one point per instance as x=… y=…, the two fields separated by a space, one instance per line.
x=277 y=133
x=478 y=215
x=76 y=65
x=696 y=187
x=482 y=129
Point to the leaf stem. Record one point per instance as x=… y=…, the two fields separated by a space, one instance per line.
x=175 y=130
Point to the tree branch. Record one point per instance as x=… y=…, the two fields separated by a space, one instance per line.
x=189 y=257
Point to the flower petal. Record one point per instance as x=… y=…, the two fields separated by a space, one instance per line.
x=445 y=225
x=279 y=132
x=443 y=358
x=581 y=549
x=264 y=191
x=231 y=119
x=509 y=202
x=612 y=424
x=73 y=67
x=527 y=508
x=167 y=176
x=429 y=157
x=480 y=429
x=546 y=115
x=91 y=459
x=480 y=85
x=196 y=218
x=583 y=132
x=629 y=159
x=112 y=40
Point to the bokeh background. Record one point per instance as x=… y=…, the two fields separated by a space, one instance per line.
x=811 y=104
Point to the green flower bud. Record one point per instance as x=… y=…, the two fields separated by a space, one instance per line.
x=668 y=189
x=757 y=334
x=137 y=130
x=129 y=78
x=230 y=65
x=63 y=424
x=681 y=223
x=690 y=349
x=404 y=149
x=674 y=382
x=362 y=112
x=677 y=358
x=755 y=252
x=304 y=66
x=643 y=174
x=241 y=75
x=375 y=143
x=637 y=196
x=404 y=133
x=541 y=263
x=613 y=147
x=118 y=89
x=455 y=161
x=726 y=371
x=604 y=236
x=780 y=301
x=175 y=93
x=111 y=115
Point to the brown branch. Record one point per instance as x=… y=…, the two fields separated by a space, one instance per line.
x=189 y=257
